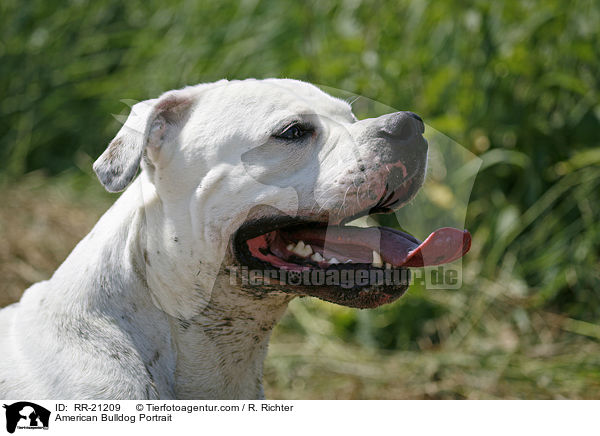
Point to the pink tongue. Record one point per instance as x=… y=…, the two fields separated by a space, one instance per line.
x=445 y=245
x=398 y=248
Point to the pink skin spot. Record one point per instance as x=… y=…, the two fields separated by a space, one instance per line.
x=398 y=165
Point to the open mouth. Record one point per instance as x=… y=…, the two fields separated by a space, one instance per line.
x=305 y=246
x=300 y=246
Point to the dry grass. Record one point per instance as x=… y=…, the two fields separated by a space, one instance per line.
x=305 y=367
x=40 y=223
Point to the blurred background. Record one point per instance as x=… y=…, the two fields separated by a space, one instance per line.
x=517 y=83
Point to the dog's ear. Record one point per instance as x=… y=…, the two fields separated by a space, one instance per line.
x=146 y=127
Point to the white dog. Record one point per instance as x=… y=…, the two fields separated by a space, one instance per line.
x=236 y=176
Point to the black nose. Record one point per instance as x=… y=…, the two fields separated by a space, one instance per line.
x=415 y=116
x=402 y=125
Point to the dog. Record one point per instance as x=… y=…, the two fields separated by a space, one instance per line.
x=236 y=176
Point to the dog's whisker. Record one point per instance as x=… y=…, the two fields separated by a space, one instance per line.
x=354 y=100
x=325 y=193
x=344 y=200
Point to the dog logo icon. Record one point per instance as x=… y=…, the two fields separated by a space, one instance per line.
x=25 y=415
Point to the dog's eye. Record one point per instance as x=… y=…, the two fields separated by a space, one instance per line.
x=295 y=131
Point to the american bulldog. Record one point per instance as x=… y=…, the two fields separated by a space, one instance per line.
x=237 y=177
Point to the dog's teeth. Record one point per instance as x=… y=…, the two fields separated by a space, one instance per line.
x=377 y=262
x=290 y=247
x=317 y=257
x=348 y=261
x=388 y=265
x=333 y=260
x=297 y=251
x=299 y=248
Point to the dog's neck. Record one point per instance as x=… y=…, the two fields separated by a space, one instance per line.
x=217 y=353
x=220 y=352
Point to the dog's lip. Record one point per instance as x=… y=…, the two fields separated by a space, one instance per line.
x=264 y=225
x=389 y=201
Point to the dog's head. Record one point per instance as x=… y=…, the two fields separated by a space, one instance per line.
x=265 y=175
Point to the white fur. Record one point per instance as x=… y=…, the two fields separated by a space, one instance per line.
x=138 y=310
